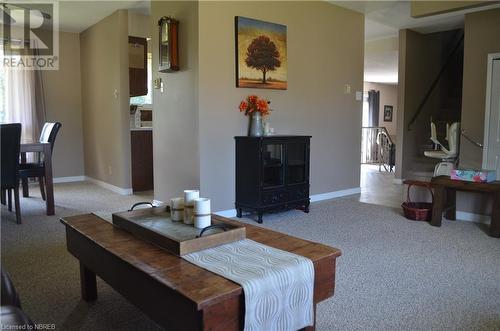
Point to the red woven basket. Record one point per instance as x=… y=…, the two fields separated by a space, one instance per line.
x=418 y=211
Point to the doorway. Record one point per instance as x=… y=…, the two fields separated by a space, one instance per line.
x=378 y=145
x=141 y=106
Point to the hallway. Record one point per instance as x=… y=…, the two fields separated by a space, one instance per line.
x=378 y=187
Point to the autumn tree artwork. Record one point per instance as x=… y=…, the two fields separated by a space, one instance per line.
x=260 y=54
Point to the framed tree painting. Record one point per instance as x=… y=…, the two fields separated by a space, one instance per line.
x=260 y=54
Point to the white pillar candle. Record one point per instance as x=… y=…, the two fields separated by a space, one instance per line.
x=189 y=196
x=202 y=216
x=177 y=209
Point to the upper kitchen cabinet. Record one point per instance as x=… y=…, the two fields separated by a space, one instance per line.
x=137 y=71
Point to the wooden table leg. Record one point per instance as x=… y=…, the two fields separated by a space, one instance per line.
x=437 y=209
x=9 y=199
x=495 y=216
x=88 y=283
x=451 y=204
x=49 y=181
x=24 y=181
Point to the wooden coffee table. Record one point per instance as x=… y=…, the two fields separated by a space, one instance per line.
x=173 y=292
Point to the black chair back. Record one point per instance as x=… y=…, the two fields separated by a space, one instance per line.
x=10 y=145
x=49 y=133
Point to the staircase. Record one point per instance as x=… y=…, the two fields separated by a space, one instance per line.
x=448 y=86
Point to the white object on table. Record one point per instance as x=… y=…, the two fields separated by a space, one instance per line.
x=202 y=216
x=278 y=285
x=177 y=209
x=189 y=196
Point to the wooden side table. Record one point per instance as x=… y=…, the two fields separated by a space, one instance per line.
x=445 y=192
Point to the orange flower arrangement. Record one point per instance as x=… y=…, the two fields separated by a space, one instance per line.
x=255 y=104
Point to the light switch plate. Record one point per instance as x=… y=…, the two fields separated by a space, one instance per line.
x=359 y=95
x=347 y=89
x=157 y=83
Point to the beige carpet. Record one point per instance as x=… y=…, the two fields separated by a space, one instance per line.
x=394 y=274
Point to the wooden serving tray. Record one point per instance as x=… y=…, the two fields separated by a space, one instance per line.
x=155 y=226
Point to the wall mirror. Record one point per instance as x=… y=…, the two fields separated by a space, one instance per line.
x=168 y=44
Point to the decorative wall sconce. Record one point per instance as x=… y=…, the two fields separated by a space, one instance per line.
x=168 y=44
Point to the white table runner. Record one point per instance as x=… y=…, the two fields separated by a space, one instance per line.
x=278 y=285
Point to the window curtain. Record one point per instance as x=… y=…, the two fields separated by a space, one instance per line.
x=20 y=102
x=40 y=109
x=25 y=101
x=373 y=107
x=373 y=116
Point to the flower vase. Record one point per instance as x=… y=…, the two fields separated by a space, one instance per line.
x=255 y=127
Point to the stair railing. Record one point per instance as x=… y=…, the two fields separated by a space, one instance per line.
x=436 y=81
x=370 y=152
x=475 y=143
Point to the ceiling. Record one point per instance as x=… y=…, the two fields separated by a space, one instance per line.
x=76 y=16
x=384 y=19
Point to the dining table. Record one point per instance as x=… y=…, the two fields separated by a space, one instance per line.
x=46 y=149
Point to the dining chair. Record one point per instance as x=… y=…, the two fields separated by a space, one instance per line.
x=37 y=169
x=10 y=144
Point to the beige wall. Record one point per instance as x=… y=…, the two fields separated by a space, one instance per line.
x=325 y=51
x=482 y=30
x=105 y=100
x=381 y=60
x=428 y=8
x=139 y=25
x=175 y=110
x=482 y=36
x=385 y=45
x=401 y=119
x=63 y=102
x=388 y=96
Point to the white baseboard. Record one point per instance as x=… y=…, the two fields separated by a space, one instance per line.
x=471 y=217
x=116 y=189
x=314 y=198
x=335 y=194
x=226 y=213
x=69 y=179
